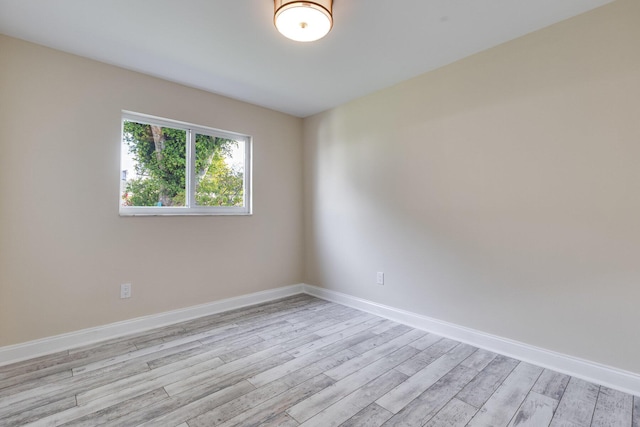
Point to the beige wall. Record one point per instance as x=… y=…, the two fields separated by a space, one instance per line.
x=500 y=193
x=64 y=250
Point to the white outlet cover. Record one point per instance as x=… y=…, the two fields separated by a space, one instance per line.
x=125 y=290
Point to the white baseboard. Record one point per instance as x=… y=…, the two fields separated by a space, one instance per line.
x=41 y=347
x=618 y=379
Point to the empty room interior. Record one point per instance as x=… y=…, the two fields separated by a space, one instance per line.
x=389 y=213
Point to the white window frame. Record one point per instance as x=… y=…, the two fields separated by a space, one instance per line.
x=190 y=207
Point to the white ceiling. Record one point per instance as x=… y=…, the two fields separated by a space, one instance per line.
x=231 y=47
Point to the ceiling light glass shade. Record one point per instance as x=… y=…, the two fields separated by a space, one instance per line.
x=303 y=21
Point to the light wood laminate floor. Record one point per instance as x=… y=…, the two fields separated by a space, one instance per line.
x=299 y=361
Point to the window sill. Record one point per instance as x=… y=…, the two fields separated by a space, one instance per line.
x=152 y=211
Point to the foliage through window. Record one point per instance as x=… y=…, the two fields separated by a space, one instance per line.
x=174 y=168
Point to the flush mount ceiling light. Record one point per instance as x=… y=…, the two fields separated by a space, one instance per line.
x=303 y=21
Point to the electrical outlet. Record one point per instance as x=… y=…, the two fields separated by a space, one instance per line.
x=380 y=278
x=125 y=290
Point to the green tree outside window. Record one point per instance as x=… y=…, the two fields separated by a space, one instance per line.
x=160 y=157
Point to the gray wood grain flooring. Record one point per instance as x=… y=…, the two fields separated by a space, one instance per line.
x=298 y=361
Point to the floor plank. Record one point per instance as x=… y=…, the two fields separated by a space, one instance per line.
x=69 y=363
x=426 y=341
x=280 y=420
x=373 y=355
x=350 y=405
x=119 y=410
x=307 y=359
x=577 y=404
x=478 y=391
x=278 y=404
x=183 y=407
x=35 y=383
x=204 y=376
x=502 y=405
x=613 y=408
x=371 y=416
x=163 y=358
x=456 y=413
x=433 y=398
x=247 y=401
x=430 y=403
x=427 y=356
x=334 y=337
x=551 y=384
x=242 y=404
x=32 y=399
x=316 y=403
x=38 y=412
x=479 y=360
x=33 y=364
x=400 y=396
x=147 y=381
x=536 y=410
x=380 y=338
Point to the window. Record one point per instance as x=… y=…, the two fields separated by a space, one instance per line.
x=174 y=168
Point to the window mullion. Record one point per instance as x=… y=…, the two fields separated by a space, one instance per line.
x=191 y=169
x=248 y=168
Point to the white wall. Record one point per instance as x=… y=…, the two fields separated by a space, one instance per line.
x=64 y=250
x=500 y=193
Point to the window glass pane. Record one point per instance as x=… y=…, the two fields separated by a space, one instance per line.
x=219 y=171
x=153 y=165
